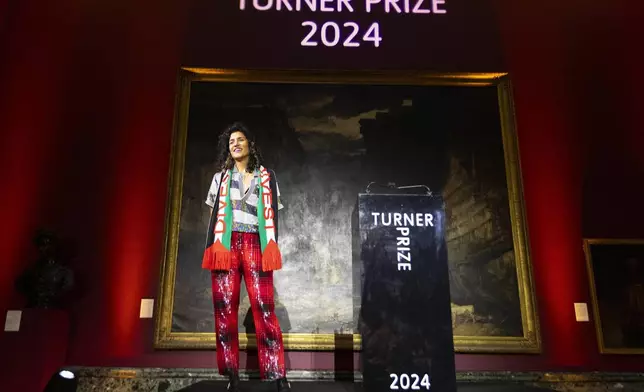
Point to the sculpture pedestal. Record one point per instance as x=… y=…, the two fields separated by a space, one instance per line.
x=33 y=354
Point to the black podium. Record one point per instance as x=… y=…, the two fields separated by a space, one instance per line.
x=405 y=316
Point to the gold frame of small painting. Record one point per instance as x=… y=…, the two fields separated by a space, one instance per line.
x=528 y=342
x=607 y=309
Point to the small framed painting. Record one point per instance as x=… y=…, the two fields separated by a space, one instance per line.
x=616 y=273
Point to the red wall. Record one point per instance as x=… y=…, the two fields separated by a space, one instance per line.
x=86 y=116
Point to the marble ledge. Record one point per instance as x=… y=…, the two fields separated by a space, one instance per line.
x=174 y=379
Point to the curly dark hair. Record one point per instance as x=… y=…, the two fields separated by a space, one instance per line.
x=225 y=160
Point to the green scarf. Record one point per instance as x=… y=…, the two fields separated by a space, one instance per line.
x=217 y=255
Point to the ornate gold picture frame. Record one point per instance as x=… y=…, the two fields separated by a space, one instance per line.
x=490 y=268
x=616 y=278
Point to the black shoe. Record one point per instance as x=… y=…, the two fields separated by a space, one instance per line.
x=233 y=383
x=283 y=385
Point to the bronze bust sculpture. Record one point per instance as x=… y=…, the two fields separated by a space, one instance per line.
x=47 y=281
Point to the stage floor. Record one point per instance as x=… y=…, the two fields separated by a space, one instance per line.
x=93 y=379
x=258 y=386
x=327 y=386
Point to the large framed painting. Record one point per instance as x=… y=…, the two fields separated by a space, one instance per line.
x=328 y=135
x=616 y=272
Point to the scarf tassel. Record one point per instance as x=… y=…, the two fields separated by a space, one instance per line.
x=271 y=258
x=217 y=257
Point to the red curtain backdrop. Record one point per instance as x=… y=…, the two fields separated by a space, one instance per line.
x=86 y=110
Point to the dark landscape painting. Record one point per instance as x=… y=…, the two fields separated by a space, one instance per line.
x=616 y=269
x=327 y=143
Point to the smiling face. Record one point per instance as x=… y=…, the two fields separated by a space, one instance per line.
x=238 y=146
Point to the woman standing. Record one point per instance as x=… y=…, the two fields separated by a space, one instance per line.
x=242 y=240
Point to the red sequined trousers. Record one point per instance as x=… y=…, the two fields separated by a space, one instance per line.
x=246 y=260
